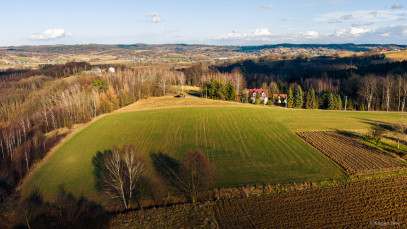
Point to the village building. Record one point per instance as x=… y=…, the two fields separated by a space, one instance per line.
x=280 y=98
x=262 y=93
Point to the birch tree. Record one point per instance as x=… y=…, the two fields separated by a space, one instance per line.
x=387 y=87
x=123 y=169
x=368 y=87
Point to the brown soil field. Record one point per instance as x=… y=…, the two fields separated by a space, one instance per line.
x=352 y=155
x=365 y=204
x=199 y=215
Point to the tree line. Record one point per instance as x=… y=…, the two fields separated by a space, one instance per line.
x=369 y=82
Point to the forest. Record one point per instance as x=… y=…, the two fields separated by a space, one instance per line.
x=368 y=82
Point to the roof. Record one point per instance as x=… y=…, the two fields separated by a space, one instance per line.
x=258 y=91
x=281 y=95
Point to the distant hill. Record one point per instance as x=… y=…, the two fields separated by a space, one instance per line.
x=88 y=48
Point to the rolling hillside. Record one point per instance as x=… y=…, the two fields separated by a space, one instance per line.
x=246 y=144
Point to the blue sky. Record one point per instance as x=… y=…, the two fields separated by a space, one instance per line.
x=221 y=22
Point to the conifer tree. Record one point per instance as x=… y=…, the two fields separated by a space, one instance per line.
x=299 y=97
x=308 y=102
x=314 y=101
x=349 y=104
x=339 y=102
x=331 y=102
x=290 y=98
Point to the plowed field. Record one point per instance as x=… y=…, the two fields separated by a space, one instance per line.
x=352 y=155
x=370 y=203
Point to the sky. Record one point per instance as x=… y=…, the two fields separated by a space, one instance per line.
x=214 y=22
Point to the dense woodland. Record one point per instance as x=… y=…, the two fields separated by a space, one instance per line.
x=36 y=104
x=369 y=82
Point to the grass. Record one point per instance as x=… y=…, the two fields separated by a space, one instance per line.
x=246 y=144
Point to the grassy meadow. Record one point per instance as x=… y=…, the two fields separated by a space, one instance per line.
x=246 y=144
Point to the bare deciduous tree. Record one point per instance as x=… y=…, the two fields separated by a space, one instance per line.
x=123 y=168
x=387 y=87
x=181 y=80
x=195 y=173
x=368 y=89
x=31 y=206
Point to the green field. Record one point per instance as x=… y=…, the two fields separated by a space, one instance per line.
x=246 y=145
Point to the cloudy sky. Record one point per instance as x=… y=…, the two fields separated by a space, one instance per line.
x=220 y=22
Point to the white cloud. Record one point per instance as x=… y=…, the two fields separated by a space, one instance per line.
x=362 y=16
x=309 y=34
x=334 y=21
x=351 y=34
x=397 y=6
x=50 y=34
x=352 y=31
x=346 y=17
x=261 y=32
x=155 y=17
x=374 y=13
x=271 y=6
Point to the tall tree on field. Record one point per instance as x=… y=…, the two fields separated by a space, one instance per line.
x=122 y=170
x=195 y=174
x=290 y=98
x=299 y=97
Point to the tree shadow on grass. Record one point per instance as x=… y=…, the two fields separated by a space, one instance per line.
x=166 y=167
x=372 y=123
x=98 y=167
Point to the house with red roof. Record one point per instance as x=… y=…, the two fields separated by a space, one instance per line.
x=262 y=93
x=280 y=98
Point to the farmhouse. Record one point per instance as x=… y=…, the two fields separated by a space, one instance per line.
x=262 y=93
x=280 y=98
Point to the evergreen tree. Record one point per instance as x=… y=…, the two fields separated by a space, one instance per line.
x=290 y=98
x=308 y=102
x=339 y=102
x=230 y=92
x=362 y=107
x=299 y=97
x=314 y=101
x=349 y=104
x=335 y=102
x=331 y=102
